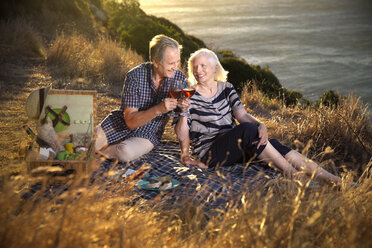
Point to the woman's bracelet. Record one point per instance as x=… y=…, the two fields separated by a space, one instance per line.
x=186 y=113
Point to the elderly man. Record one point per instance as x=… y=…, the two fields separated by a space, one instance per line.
x=135 y=128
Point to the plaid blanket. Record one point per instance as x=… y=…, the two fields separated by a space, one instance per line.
x=212 y=188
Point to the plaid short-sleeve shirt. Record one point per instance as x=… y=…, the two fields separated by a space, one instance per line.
x=140 y=92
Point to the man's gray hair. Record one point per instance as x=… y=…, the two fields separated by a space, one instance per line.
x=158 y=44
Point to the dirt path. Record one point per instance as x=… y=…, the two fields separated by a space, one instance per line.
x=17 y=80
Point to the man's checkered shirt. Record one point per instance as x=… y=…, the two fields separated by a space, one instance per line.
x=139 y=92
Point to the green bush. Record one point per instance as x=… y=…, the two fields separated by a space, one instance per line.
x=135 y=28
x=226 y=54
x=292 y=97
x=328 y=98
x=240 y=72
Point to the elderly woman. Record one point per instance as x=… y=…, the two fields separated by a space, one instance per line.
x=209 y=125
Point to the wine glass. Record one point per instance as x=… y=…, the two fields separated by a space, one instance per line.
x=175 y=91
x=188 y=92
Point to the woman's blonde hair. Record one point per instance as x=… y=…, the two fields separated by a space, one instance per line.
x=221 y=74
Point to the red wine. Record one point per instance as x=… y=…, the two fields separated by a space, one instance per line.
x=188 y=92
x=175 y=93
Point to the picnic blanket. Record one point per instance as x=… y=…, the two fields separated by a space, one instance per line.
x=212 y=188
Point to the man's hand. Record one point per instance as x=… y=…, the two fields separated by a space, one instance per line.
x=188 y=161
x=167 y=105
x=183 y=104
x=262 y=134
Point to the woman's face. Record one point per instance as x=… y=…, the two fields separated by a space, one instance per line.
x=203 y=69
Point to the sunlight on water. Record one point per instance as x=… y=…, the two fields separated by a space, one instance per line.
x=311 y=46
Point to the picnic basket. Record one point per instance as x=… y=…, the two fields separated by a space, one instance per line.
x=81 y=106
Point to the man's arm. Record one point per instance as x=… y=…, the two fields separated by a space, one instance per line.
x=134 y=118
x=130 y=103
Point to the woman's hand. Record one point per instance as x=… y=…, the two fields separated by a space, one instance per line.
x=183 y=104
x=188 y=161
x=262 y=134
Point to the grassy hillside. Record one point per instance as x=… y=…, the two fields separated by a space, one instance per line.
x=69 y=44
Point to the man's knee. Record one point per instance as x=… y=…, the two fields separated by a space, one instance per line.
x=101 y=140
x=133 y=148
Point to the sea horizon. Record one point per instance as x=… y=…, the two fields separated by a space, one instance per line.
x=311 y=47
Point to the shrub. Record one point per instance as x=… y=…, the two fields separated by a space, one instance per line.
x=71 y=55
x=328 y=98
x=115 y=61
x=128 y=22
x=104 y=61
x=51 y=17
x=240 y=72
x=255 y=101
x=72 y=8
x=291 y=97
x=226 y=53
x=18 y=37
x=345 y=129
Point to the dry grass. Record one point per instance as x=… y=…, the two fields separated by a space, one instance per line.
x=337 y=136
x=93 y=64
x=19 y=38
x=284 y=213
x=287 y=215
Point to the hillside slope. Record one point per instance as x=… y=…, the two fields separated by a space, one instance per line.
x=64 y=43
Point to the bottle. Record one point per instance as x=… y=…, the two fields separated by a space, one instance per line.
x=29 y=131
x=32 y=135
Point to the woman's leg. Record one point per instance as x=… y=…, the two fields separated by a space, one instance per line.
x=293 y=161
x=300 y=162
x=271 y=156
x=231 y=146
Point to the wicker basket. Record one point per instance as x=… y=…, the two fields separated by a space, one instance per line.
x=81 y=106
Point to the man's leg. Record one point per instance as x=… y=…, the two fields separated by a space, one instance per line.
x=127 y=150
x=133 y=148
x=101 y=145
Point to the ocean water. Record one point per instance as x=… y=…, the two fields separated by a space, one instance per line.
x=311 y=46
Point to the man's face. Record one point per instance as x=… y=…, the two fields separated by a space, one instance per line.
x=170 y=63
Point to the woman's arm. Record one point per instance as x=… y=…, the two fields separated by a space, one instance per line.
x=242 y=116
x=182 y=132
